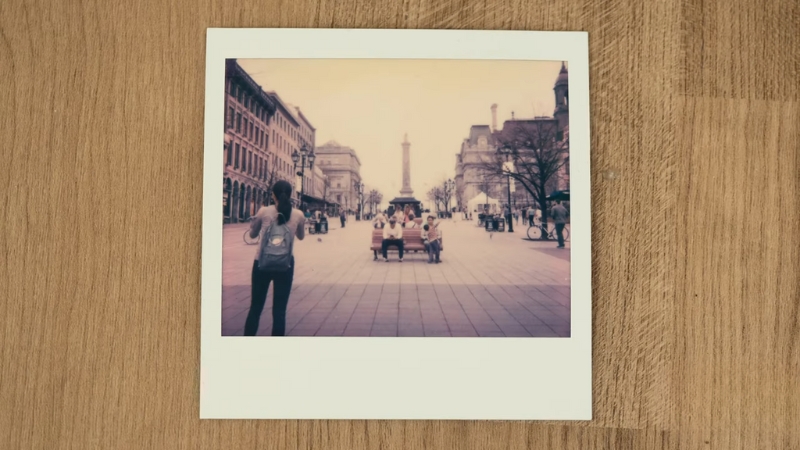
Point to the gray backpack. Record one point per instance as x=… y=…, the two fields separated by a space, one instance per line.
x=275 y=254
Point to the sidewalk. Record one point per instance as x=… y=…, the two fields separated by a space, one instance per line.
x=489 y=284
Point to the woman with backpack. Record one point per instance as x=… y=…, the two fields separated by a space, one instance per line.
x=277 y=225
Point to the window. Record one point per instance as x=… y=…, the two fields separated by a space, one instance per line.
x=229 y=156
x=338 y=185
x=231 y=117
x=251 y=131
x=244 y=159
x=236 y=165
x=250 y=163
x=559 y=136
x=247 y=101
x=238 y=122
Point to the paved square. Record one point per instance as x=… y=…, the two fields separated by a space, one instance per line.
x=488 y=284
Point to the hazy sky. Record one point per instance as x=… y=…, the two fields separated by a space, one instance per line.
x=369 y=104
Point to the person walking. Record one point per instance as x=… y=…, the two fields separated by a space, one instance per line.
x=392 y=237
x=267 y=224
x=343 y=218
x=559 y=215
x=531 y=214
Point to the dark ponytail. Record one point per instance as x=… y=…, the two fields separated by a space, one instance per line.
x=283 y=192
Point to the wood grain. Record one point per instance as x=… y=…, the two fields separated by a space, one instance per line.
x=696 y=169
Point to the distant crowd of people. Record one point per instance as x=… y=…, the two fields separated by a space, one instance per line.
x=557 y=213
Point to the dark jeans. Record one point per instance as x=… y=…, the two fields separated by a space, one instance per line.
x=392 y=243
x=530 y=221
x=560 y=233
x=282 y=287
x=433 y=250
x=342 y=219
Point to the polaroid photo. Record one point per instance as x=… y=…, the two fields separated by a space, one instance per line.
x=388 y=225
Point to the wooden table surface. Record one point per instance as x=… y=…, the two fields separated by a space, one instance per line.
x=696 y=219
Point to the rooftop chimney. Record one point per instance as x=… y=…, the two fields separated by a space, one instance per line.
x=494 y=117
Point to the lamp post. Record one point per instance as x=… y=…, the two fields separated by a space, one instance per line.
x=360 y=191
x=305 y=156
x=507 y=152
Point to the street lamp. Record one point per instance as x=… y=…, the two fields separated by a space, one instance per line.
x=360 y=191
x=304 y=157
x=507 y=152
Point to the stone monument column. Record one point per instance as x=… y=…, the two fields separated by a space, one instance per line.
x=406 y=191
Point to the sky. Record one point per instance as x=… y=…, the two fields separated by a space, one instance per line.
x=369 y=104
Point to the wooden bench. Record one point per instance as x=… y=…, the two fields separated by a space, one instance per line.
x=412 y=241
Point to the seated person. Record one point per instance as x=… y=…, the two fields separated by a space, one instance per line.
x=392 y=236
x=411 y=223
x=432 y=240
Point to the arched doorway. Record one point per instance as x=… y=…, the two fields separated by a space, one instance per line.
x=227 y=196
x=247 y=206
x=235 y=203
x=240 y=209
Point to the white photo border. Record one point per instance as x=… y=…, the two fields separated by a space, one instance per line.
x=396 y=378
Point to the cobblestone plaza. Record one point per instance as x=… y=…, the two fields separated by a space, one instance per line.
x=488 y=285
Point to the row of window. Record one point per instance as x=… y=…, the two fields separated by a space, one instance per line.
x=293 y=132
x=247 y=100
x=284 y=145
x=251 y=163
x=247 y=128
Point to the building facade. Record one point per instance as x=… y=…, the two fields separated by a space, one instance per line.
x=481 y=147
x=286 y=138
x=476 y=151
x=247 y=156
x=309 y=183
x=341 y=166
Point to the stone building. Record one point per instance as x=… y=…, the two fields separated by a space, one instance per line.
x=287 y=137
x=341 y=166
x=247 y=150
x=313 y=178
x=261 y=133
x=481 y=147
x=471 y=180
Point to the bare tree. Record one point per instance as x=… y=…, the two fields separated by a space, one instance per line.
x=374 y=199
x=436 y=195
x=326 y=184
x=537 y=150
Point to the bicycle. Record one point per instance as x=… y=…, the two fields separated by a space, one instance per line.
x=535 y=232
x=248 y=240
